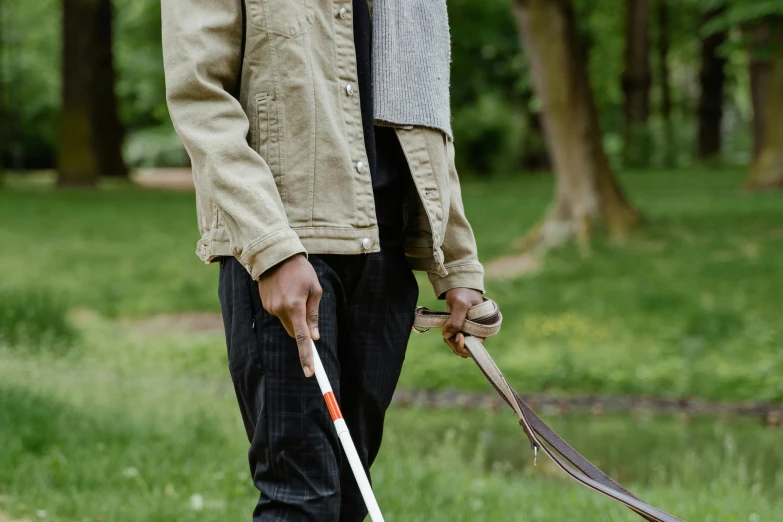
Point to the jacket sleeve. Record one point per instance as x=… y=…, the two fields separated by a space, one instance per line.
x=460 y=254
x=202 y=48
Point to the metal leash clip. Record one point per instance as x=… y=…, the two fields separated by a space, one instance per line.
x=420 y=329
x=535 y=452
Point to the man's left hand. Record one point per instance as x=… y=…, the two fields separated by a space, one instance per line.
x=458 y=302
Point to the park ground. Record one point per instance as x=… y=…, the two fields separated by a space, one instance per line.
x=115 y=402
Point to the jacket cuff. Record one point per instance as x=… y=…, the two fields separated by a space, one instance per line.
x=270 y=250
x=459 y=276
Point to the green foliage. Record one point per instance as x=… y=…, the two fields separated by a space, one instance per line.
x=155 y=147
x=138 y=55
x=736 y=13
x=120 y=251
x=489 y=135
x=490 y=89
x=30 y=81
x=492 y=95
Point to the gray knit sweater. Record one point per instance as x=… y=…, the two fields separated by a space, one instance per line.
x=410 y=64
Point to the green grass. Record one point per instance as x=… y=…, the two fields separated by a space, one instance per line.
x=123 y=251
x=687 y=307
x=132 y=425
x=105 y=417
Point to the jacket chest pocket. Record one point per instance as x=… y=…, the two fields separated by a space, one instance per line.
x=286 y=18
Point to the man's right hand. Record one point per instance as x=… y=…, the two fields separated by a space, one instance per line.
x=291 y=292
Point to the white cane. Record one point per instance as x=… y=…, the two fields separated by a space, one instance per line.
x=345 y=439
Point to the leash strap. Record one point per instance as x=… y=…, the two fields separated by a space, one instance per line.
x=484 y=320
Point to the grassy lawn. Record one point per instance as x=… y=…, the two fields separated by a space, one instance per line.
x=687 y=307
x=133 y=425
x=104 y=417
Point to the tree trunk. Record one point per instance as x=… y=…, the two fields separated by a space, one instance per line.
x=712 y=78
x=586 y=191
x=534 y=153
x=90 y=134
x=664 y=79
x=766 y=85
x=110 y=131
x=3 y=115
x=636 y=82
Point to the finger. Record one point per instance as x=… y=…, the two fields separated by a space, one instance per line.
x=463 y=351
x=460 y=340
x=312 y=312
x=456 y=320
x=284 y=320
x=451 y=343
x=303 y=340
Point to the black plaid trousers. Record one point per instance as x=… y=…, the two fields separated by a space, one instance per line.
x=365 y=319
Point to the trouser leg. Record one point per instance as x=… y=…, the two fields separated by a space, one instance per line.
x=294 y=456
x=378 y=321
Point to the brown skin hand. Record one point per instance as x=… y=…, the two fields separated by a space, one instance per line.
x=291 y=292
x=458 y=302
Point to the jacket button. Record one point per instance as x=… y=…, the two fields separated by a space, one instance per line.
x=366 y=243
x=349 y=89
x=341 y=12
x=360 y=167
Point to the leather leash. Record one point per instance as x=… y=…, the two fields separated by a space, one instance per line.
x=483 y=320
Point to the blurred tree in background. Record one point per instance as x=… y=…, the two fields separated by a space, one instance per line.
x=712 y=79
x=758 y=25
x=637 y=82
x=673 y=83
x=3 y=117
x=766 y=83
x=663 y=42
x=587 y=190
x=90 y=132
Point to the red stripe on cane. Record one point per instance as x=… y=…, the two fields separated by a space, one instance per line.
x=331 y=404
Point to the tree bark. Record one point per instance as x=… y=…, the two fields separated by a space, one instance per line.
x=664 y=78
x=110 y=131
x=766 y=85
x=712 y=78
x=90 y=133
x=636 y=82
x=3 y=116
x=586 y=189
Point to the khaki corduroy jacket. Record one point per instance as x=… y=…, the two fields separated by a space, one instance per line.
x=264 y=95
